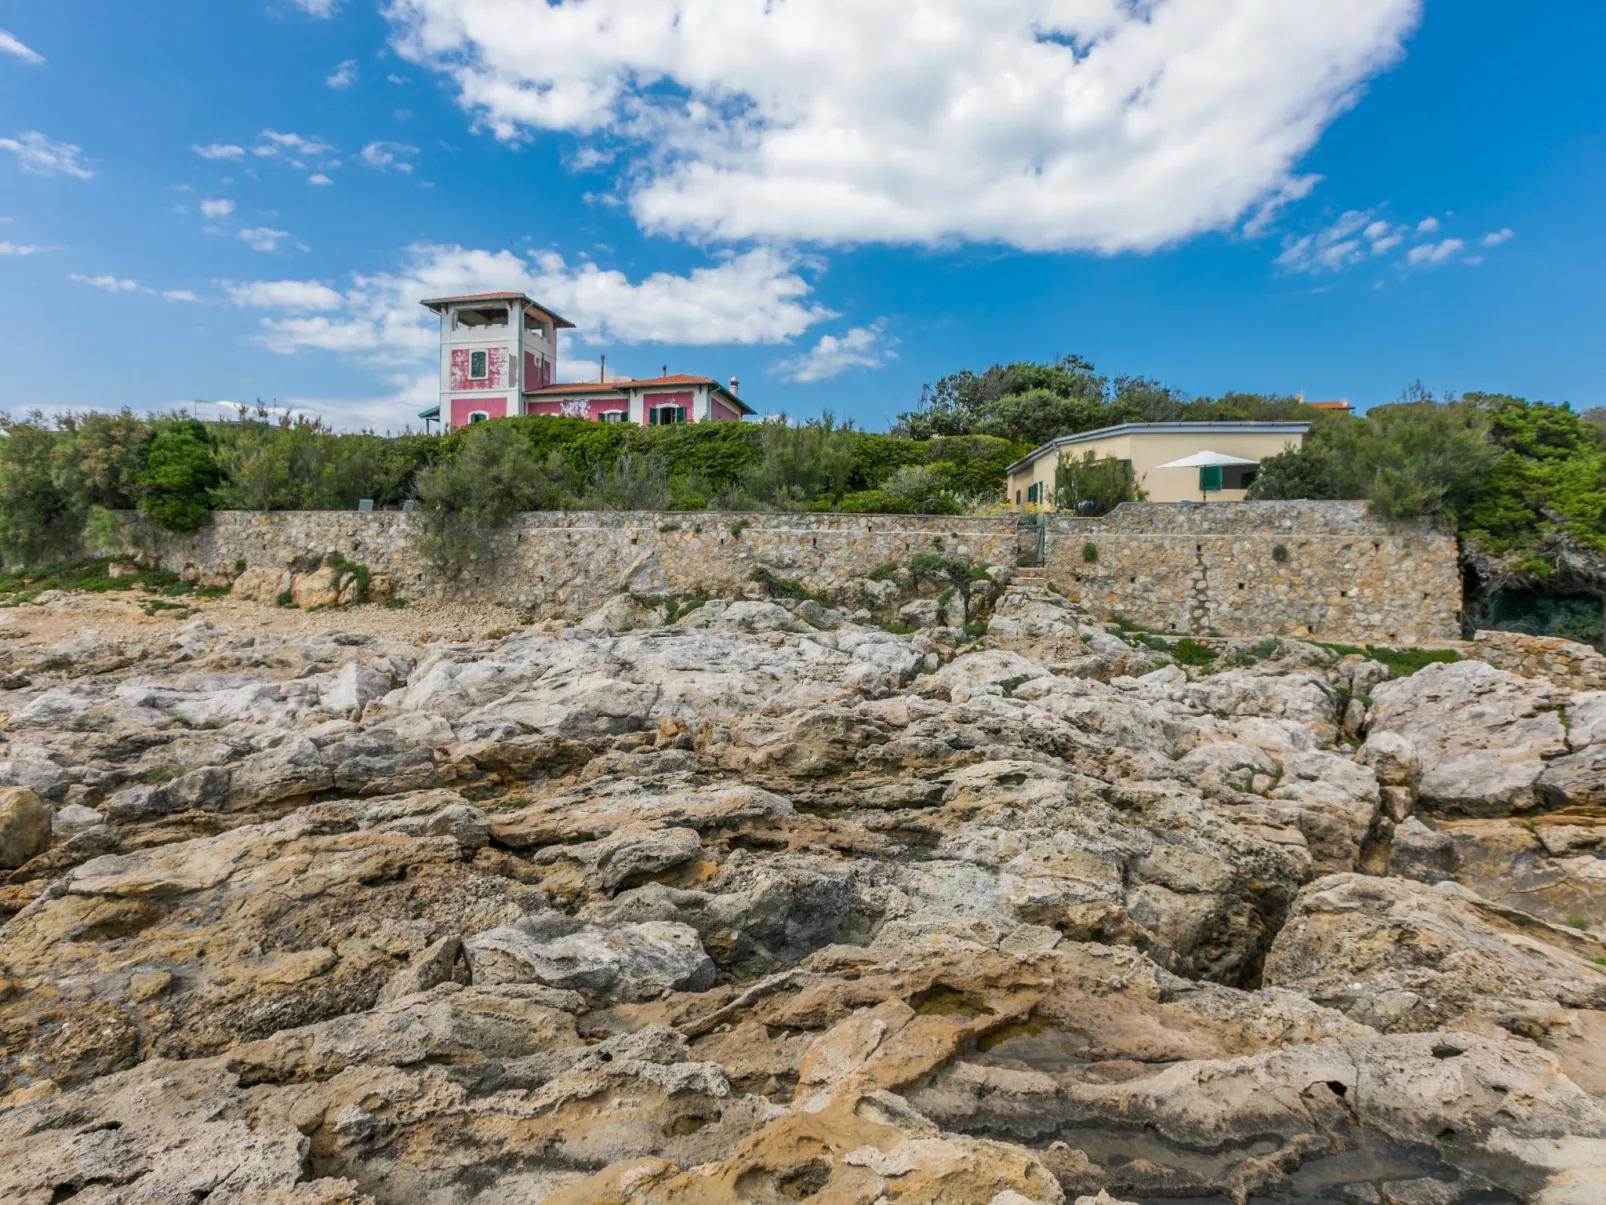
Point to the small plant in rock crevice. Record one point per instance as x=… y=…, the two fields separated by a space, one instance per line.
x=1279 y=553
x=1090 y=553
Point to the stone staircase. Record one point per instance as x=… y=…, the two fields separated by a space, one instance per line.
x=1032 y=575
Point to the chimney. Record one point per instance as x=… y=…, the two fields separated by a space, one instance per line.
x=734 y=384
x=602 y=369
x=664 y=371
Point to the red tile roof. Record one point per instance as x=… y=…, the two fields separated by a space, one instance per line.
x=557 y=319
x=620 y=387
x=476 y=297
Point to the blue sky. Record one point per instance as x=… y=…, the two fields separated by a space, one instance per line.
x=834 y=200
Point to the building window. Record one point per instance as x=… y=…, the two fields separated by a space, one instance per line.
x=478 y=365
x=478 y=416
x=611 y=416
x=660 y=416
x=1017 y=497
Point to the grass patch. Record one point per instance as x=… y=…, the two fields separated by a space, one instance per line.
x=975 y=629
x=738 y=527
x=1579 y=922
x=284 y=600
x=883 y=573
x=668 y=527
x=896 y=628
x=1402 y=663
x=158 y=775
x=156 y=605
x=395 y=604
x=942 y=599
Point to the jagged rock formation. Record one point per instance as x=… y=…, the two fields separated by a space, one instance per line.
x=772 y=904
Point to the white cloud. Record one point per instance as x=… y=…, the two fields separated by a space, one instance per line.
x=113 y=284
x=1498 y=237
x=10 y=45
x=1434 y=253
x=398 y=79
x=1357 y=235
x=1103 y=124
x=862 y=347
x=10 y=248
x=300 y=151
x=758 y=297
x=343 y=76
x=219 y=150
x=318 y=8
x=319 y=179
x=110 y=283
x=1427 y=225
x=383 y=155
x=286 y=295
x=219 y=208
x=42 y=157
x=262 y=238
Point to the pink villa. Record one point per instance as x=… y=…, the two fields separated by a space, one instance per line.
x=499 y=352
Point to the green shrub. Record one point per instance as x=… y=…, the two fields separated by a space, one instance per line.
x=1188 y=651
x=883 y=573
x=394 y=603
x=1090 y=552
x=738 y=527
x=343 y=569
x=1279 y=553
x=180 y=476
x=778 y=587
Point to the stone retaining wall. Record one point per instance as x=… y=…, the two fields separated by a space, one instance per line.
x=558 y=563
x=1345 y=575
x=1202 y=569
x=1575 y=666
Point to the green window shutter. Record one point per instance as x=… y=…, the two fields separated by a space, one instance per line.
x=680 y=414
x=1210 y=477
x=652 y=417
x=476 y=365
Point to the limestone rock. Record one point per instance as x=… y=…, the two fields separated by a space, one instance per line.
x=24 y=826
x=1482 y=735
x=627 y=962
x=1417 y=852
x=1404 y=956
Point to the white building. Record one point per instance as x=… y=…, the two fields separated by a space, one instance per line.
x=499 y=356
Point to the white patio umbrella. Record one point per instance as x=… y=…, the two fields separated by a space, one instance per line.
x=1205 y=460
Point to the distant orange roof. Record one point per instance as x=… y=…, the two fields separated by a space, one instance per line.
x=1329 y=405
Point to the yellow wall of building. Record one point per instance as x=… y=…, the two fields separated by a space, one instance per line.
x=1148 y=451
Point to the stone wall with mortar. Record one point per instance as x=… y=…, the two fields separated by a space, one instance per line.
x=558 y=563
x=1347 y=576
x=1575 y=666
x=1203 y=569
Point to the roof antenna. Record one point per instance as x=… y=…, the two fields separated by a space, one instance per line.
x=664 y=372
x=602 y=367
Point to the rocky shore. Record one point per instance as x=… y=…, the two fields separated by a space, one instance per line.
x=771 y=903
